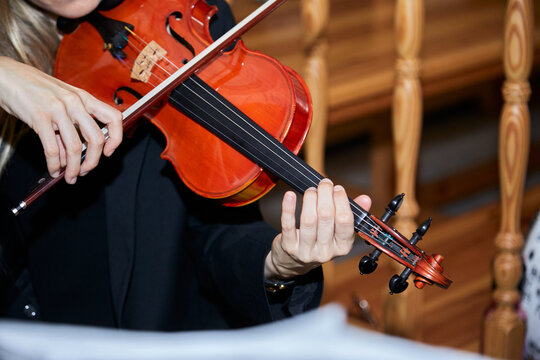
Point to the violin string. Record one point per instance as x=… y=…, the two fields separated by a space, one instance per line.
x=137 y=50
x=146 y=44
x=128 y=67
x=362 y=227
x=152 y=73
x=172 y=63
x=265 y=135
x=308 y=169
x=218 y=131
x=365 y=228
x=363 y=224
x=310 y=182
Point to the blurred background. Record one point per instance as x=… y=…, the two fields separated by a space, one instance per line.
x=459 y=50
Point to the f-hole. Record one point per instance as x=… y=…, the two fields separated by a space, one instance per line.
x=177 y=16
x=118 y=100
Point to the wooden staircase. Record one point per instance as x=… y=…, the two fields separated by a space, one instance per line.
x=462 y=44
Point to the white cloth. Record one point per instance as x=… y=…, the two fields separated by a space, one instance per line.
x=320 y=334
x=530 y=302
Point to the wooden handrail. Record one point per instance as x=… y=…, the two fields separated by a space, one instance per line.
x=315 y=15
x=402 y=314
x=315 y=24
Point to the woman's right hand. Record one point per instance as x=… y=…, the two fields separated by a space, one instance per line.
x=57 y=112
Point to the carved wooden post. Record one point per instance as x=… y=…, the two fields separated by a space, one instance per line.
x=315 y=21
x=315 y=24
x=401 y=316
x=504 y=330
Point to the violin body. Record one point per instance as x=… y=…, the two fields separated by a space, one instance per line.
x=271 y=94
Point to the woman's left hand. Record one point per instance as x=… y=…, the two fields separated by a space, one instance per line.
x=326 y=231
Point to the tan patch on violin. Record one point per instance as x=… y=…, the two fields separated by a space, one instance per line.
x=146 y=60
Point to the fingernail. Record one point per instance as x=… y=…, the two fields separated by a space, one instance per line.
x=327 y=180
x=338 y=188
x=83 y=173
x=55 y=174
x=311 y=189
x=289 y=197
x=72 y=181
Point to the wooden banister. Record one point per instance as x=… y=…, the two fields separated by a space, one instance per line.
x=504 y=329
x=315 y=28
x=401 y=315
x=315 y=25
x=358 y=82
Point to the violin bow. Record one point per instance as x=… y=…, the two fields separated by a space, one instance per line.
x=138 y=109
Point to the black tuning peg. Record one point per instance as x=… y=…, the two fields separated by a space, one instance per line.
x=368 y=264
x=393 y=207
x=420 y=231
x=398 y=283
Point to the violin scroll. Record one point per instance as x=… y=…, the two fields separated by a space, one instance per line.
x=428 y=269
x=435 y=261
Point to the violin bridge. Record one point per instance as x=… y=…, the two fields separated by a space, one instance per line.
x=146 y=60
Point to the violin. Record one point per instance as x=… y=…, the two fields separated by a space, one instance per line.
x=234 y=119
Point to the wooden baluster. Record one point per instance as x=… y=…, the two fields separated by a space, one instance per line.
x=401 y=315
x=315 y=23
x=504 y=330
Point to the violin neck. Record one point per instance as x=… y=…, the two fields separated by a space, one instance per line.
x=207 y=107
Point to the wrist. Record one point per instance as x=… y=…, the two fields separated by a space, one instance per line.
x=270 y=271
x=275 y=272
x=274 y=280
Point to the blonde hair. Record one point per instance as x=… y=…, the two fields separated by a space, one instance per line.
x=27 y=34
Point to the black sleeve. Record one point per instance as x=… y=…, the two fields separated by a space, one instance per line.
x=230 y=248
x=12 y=258
x=16 y=179
x=231 y=257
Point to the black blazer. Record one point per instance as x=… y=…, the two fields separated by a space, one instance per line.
x=130 y=246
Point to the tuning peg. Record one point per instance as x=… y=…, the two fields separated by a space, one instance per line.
x=368 y=264
x=392 y=207
x=420 y=231
x=399 y=283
